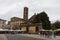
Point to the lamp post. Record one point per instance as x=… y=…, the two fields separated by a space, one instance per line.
x=53 y=32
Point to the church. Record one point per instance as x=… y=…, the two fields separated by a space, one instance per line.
x=24 y=23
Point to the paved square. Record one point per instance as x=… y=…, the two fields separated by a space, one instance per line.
x=24 y=37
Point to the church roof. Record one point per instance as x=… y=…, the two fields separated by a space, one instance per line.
x=17 y=19
x=32 y=18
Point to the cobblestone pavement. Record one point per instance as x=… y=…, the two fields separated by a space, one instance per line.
x=3 y=37
x=25 y=37
x=20 y=37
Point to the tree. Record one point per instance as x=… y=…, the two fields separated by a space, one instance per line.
x=44 y=19
x=57 y=24
x=53 y=27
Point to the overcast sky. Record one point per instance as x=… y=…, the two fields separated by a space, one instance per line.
x=11 y=8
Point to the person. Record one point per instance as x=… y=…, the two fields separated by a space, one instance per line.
x=54 y=34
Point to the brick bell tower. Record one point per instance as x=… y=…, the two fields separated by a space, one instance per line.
x=25 y=15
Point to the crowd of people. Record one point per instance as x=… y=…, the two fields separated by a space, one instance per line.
x=48 y=34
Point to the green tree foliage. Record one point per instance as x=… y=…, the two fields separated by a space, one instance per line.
x=44 y=19
x=53 y=27
x=57 y=24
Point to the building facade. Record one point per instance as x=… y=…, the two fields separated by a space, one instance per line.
x=25 y=23
x=31 y=28
x=16 y=22
x=2 y=23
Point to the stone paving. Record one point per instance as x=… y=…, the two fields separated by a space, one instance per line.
x=25 y=37
x=3 y=37
x=41 y=37
x=21 y=37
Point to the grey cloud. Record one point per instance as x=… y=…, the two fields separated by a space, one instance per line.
x=11 y=8
x=12 y=13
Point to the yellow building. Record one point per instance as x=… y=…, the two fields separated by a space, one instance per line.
x=31 y=28
x=16 y=22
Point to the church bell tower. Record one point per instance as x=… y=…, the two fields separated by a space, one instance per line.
x=25 y=15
